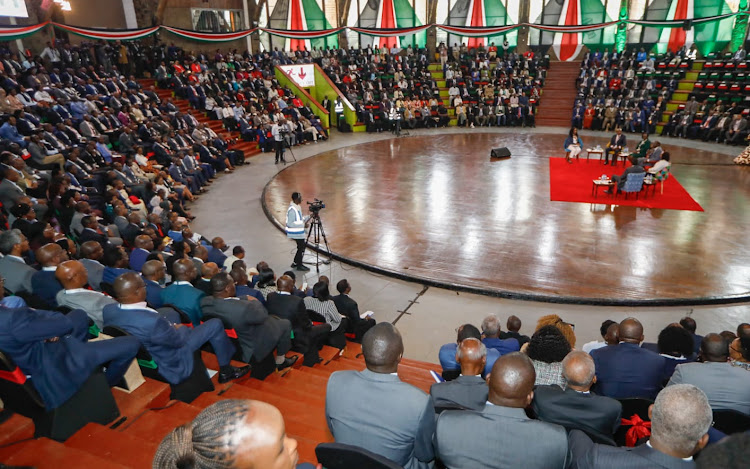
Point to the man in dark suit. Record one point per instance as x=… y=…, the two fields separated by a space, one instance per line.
x=349 y=308
x=171 y=345
x=203 y=283
x=514 y=325
x=627 y=370
x=620 y=179
x=469 y=390
x=143 y=247
x=181 y=293
x=615 y=145
x=308 y=339
x=91 y=254
x=469 y=439
x=689 y=325
x=43 y=282
x=34 y=339
x=91 y=232
x=259 y=334
x=576 y=406
x=13 y=267
x=216 y=253
x=402 y=428
x=491 y=337
x=153 y=273
x=680 y=420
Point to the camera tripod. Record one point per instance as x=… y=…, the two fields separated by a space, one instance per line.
x=288 y=146
x=316 y=233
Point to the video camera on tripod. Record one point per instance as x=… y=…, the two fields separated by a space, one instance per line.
x=316 y=206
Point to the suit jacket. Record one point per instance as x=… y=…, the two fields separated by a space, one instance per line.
x=56 y=368
x=153 y=293
x=187 y=298
x=92 y=302
x=499 y=437
x=257 y=332
x=94 y=270
x=469 y=392
x=597 y=416
x=587 y=455
x=217 y=256
x=10 y=193
x=45 y=286
x=138 y=258
x=291 y=308
x=348 y=307
x=727 y=387
x=622 y=143
x=626 y=370
x=401 y=429
x=17 y=274
x=166 y=344
x=91 y=235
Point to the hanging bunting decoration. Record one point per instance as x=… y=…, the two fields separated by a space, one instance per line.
x=392 y=32
x=288 y=33
x=9 y=33
x=209 y=37
x=109 y=34
x=478 y=32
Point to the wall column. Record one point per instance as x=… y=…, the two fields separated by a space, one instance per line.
x=131 y=22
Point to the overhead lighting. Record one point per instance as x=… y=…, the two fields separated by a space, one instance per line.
x=64 y=4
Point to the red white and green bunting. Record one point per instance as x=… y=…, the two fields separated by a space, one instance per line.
x=290 y=34
x=209 y=37
x=109 y=34
x=10 y=33
x=390 y=32
x=478 y=32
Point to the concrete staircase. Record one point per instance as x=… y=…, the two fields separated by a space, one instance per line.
x=558 y=94
x=298 y=392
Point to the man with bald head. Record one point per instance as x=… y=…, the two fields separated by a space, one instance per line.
x=469 y=390
x=91 y=254
x=258 y=332
x=172 y=346
x=577 y=406
x=727 y=386
x=43 y=283
x=375 y=410
x=680 y=420
x=143 y=247
x=308 y=338
x=153 y=273
x=72 y=275
x=627 y=370
x=208 y=270
x=501 y=435
x=181 y=293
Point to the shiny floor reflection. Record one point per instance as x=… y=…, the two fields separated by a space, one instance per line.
x=437 y=208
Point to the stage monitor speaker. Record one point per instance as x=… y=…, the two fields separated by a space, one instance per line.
x=502 y=152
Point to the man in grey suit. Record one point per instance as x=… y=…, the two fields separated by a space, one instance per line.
x=72 y=275
x=501 y=435
x=13 y=267
x=727 y=386
x=576 y=406
x=680 y=419
x=91 y=253
x=469 y=390
x=375 y=410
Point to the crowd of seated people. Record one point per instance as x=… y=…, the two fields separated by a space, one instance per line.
x=390 y=87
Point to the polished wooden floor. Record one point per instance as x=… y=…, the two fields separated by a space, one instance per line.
x=437 y=209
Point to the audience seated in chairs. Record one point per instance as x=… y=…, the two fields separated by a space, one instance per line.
x=75 y=295
x=469 y=389
x=447 y=353
x=258 y=332
x=465 y=438
x=171 y=345
x=357 y=324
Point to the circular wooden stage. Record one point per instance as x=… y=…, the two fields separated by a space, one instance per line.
x=435 y=210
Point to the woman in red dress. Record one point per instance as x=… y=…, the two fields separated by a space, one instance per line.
x=588 y=116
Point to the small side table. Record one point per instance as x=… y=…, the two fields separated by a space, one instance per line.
x=594 y=151
x=597 y=183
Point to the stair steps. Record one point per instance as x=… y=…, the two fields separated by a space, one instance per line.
x=44 y=453
x=122 y=448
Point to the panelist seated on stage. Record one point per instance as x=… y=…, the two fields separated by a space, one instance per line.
x=619 y=179
x=52 y=349
x=259 y=334
x=576 y=406
x=469 y=390
x=172 y=346
x=662 y=164
x=615 y=146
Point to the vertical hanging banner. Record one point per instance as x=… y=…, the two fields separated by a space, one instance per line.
x=567 y=46
x=303 y=75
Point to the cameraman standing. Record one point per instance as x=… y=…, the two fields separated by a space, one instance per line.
x=295 y=229
x=278 y=139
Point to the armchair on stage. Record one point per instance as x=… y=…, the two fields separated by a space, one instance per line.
x=662 y=176
x=633 y=184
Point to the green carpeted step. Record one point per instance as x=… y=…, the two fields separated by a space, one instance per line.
x=672 y=106
x=434 y=67
x=437 y=75
x=451 y=111
x=444 y=93
x=692 y=76
x=677 y=96
x=659 y=127
x=359 y=128
x=698 y=65
x=685 y=85
x=441 y=83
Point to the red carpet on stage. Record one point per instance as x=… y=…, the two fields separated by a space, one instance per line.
x=572 y=183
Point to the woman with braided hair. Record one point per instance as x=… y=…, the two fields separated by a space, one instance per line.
x=237 y=434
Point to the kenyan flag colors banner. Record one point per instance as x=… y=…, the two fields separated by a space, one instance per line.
x=9 y=33
x=209 y=37
x=109 y=34
x=490 y=13
x=307 y=15
x=710 y=26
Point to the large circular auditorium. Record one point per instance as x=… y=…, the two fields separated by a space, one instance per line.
x=322 y=234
